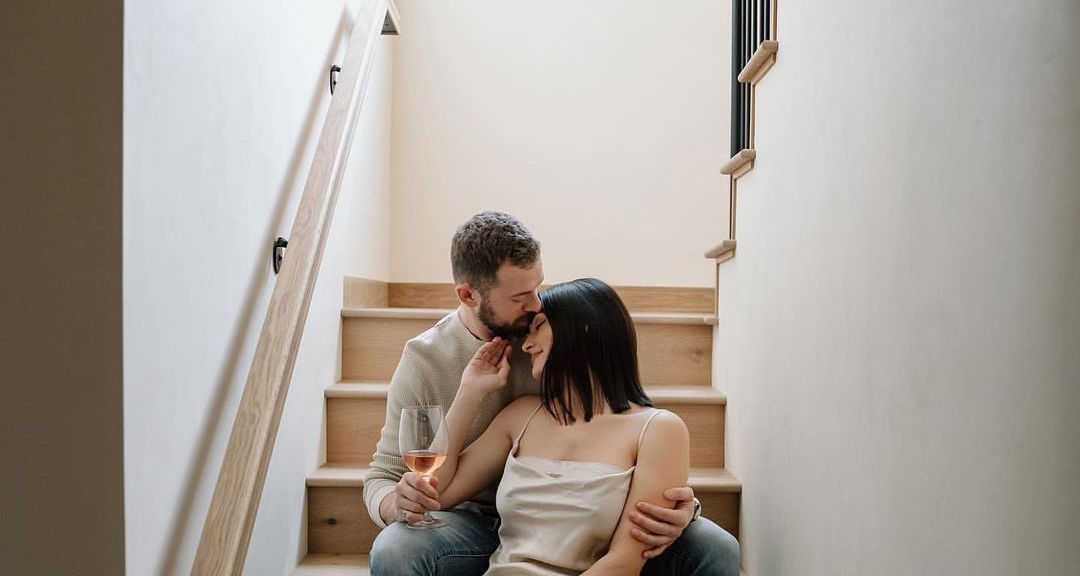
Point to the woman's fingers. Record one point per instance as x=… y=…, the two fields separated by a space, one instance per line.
x=491 y=352
x=504 y=362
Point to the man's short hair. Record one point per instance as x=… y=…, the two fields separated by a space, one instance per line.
x=481 y=245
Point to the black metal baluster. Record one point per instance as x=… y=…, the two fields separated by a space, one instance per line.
x=736 y=86
x=767 y=23
x=747 y=19
x=753 y=25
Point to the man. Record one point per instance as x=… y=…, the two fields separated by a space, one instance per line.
x=497 y=271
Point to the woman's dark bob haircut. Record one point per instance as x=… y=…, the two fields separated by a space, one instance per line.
x=593 y=355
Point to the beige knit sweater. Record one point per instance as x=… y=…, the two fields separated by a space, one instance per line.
x=429 y=373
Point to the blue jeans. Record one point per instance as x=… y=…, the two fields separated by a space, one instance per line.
x=463 y=547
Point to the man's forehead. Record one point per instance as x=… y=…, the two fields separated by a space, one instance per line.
x=514 y=279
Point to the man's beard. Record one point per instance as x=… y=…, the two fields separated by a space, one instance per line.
x=515 y=331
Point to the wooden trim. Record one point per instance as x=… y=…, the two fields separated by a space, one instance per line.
x=733 y=198
x=663 y=394
x=231 y=517
x=664 y=299
x=753 y=122
x=343 y=475
x=773 y=23
x=364 y=293
x=723 y=249
x=423 y=295
x=763 y=59
x=336 y=565
x=744 y=157
x=691 y=318
x=636 y=298
x=742 y=171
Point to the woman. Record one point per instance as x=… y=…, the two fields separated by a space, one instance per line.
x=574 y=460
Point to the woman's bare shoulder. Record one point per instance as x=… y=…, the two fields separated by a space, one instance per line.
x=512 y=417
x=667 y=428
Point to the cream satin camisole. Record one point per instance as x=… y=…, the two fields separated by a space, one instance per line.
x=558 y=516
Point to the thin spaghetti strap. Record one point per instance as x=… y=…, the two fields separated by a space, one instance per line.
x=646 y=426
x=531 y=416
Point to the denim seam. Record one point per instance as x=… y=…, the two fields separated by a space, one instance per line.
x=462 y=555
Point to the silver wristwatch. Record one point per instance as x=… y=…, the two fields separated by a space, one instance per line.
x=697 y=510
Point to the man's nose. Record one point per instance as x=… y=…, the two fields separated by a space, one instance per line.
x=533 y=303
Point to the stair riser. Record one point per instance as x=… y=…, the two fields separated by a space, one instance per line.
x=636 y=298
x=668 y=354
x=338 y=522
x=722 y=508
x=353 y=531
x=353 y=426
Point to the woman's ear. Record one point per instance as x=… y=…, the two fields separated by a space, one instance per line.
x=467 y=295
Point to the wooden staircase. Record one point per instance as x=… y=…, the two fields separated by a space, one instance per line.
x=675 y=356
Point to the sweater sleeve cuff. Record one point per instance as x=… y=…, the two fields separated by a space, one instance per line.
x=375 y=496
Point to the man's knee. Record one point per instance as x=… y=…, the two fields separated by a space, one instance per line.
x=460 y=548
x=399 y=551
x=709 y=549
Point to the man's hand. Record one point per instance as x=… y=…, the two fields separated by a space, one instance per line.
x=413 y=496
x=658 y=526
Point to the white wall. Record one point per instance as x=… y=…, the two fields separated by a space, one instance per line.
x=223 y=105
x=600 y=124
x=61 y=363
x=900 y=329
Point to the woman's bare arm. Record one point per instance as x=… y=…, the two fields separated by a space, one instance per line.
x=466 y=472
x=663 y=461
x=483 y=461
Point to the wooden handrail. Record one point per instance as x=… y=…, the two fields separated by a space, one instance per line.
x=229 y=522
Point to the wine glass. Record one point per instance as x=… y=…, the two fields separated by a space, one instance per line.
x=423 y=443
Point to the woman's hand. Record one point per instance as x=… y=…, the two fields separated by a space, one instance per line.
x=489 y=368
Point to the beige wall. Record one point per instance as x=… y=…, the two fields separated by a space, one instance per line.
x=61 y=437
x=224 y=102
x=600 y=124
x=900 y=329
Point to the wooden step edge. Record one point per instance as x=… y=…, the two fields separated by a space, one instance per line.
x=722 y=251
x=333 y=565
x=760 y=63
x=437 y=313
x=663 y=394
x=687 y=395
x=400 y=313
x=333 y=475
x=351 y=389
x=702 y=480
x=743 y=159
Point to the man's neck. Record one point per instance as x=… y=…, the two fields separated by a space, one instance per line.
x=473 y=324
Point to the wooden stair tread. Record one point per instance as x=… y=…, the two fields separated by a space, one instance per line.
x=660 y=394
x=344 y=565
x=702 y=480
x=333 y=565
x=437 y=313
x=720 y=250
x=762 y=60
x=737 y=161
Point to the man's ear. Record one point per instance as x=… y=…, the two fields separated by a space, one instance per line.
x=467 y=295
